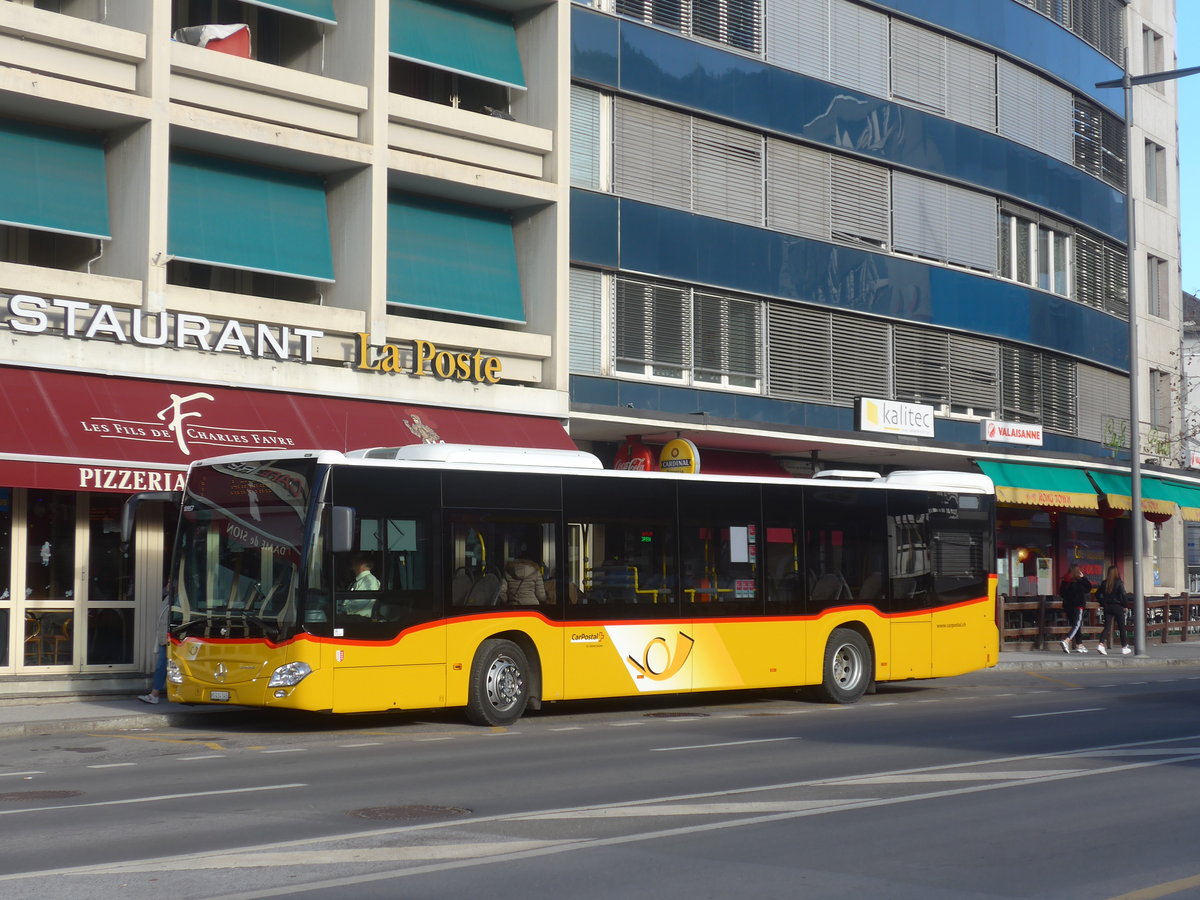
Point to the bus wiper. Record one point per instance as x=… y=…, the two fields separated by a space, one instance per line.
x=181 y=630
x=270 y=631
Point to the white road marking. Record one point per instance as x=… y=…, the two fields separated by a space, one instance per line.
x=365 y=744
x=695 y=809
x=726 y=744
x=430 y=740
x=624 y=724
x=567 y=728
x=288 y=750
x=154 y=799
x=934 y=777
x=18 y=774
x=207 y=756
x=111 y=765
x=1061 y=712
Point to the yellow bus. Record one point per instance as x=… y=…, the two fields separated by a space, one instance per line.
x=499 y=579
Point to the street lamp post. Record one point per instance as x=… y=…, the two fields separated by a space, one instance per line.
x=1126 y=83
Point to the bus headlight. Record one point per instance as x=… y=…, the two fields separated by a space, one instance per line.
x=291 y=674
x=174 y=673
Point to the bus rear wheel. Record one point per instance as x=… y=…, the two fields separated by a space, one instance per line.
x=499 y=688
x=846 y=672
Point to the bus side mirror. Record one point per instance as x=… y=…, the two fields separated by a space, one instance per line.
x=129 y=510
x=342 y=537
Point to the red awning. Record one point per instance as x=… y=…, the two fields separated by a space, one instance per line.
x=90 y=432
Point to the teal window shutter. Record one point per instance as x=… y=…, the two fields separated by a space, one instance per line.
x=319 y=10
x=468 y=40
x=52 y=179
x=242 y=216
x=452 y=258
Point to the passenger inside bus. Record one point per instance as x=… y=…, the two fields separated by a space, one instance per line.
x=523 y=583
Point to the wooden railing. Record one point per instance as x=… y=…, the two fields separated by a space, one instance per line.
x=1036 y=623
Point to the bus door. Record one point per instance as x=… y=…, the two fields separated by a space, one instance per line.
x=961 y=555
x=624 y=634
x=910 y=596
x=383 y=589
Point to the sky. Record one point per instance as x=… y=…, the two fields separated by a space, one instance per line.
x=1187 y=47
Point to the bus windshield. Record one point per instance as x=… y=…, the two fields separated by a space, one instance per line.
x=240 y=544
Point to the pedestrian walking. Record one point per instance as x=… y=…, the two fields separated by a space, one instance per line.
x=1074 y=590
x=1112 y=597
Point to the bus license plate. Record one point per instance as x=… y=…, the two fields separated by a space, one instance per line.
x=219 y=695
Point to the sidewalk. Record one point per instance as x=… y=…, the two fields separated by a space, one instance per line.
x=63 y=716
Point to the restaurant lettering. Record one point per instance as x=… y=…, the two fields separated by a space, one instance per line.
x=426 y=358
x=102 y=321
x=129 y=479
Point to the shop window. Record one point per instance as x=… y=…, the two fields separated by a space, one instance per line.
x=275 y=37
x=238 y=281
x=110 y=610
x=49 y=250
x=448 y=88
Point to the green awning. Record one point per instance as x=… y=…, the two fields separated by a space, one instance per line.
x=1056 y=487
x=470 y=40
x=320 y=10
x=244 y=216
x=1118 y=493
x=452 y=258
x=1187 y=496
x=53 y=179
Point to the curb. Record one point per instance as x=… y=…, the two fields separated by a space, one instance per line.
x=1100 y=662
x=130 y=722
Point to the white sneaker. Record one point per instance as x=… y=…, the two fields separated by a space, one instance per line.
x=1081 y=649
x=147 y=698
x=1125 y=651
x=1100 y=649
x=1066 y=647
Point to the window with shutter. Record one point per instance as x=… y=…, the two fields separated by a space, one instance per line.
x=1103 y=395
x=859 y=202
x=1059 y=393
x=797 y=36
x=725 y=340
x=799 y=355
x=1021 y=384
x=1157 y=287
x=1115 y=283
x=1016 y=88
x=974 y=376
x=919 y=216
x=587 y=322
x=971 y=85
x=858 y=48
x=1056 y=121
x=652 y=158
x=861 y=359
x=651 y=325
x=922 y=371
x=918 y=66
x=728 y=172
x=1160 y=399
x=970 y=229
x=1156 y=173
x=585 y=138
x=797 y=189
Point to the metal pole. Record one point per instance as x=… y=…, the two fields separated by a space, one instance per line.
x=1135 y=457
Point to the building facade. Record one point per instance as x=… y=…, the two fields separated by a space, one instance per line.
x=236 y=225
x=880 y=234
x=796 y=235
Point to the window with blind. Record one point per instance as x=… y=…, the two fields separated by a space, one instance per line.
x=1099 y=143
x=919 y=62
x=1035 y=112
x=1021 y=384
x=970 y=85
x=858 y=47
x=797 y=36
x=800 y=357
x=1157 y=279
x=652 y=159
x=727 y=173
x=974 y=376
x=922 y=370
x=943 y=222
x=1099 y=22
x=732 y=23
x=1101 y=274
x=859 y=208
x=587 y=322
x=1156 y=173
x=726 y=336
x=585 y=138
x=797 y=189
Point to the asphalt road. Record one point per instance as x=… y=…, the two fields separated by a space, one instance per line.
x=994 y=785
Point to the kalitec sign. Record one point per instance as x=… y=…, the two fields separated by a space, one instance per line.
x=893 y=417
x=123 y=325
x=1012 y=433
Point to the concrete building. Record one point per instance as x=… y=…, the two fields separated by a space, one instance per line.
x=877 y=235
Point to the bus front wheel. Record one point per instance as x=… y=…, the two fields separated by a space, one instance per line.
x=846 y=673
x=499 y=688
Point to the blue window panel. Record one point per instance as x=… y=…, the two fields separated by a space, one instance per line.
x=452 y=258
x=594 y=43
x=594 y=229
x=318 y=10
x=52 y=179
x=1020 y=32
x=243 y=216
x=699 y=250
x=470 y=40
x=658 y=65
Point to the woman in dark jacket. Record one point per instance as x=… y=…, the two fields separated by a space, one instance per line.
x=1111 y=595
x=1074 y=591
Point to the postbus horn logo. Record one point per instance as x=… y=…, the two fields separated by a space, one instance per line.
x=657 y=647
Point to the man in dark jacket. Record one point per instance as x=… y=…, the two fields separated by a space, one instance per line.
x=1074 y=590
